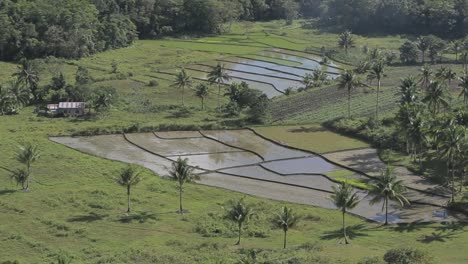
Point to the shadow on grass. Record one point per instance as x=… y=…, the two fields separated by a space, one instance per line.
x=307 y=129
x=411 y=227
x=354 y=231
x=91 y=217
x=140 y=217
x=4 y=192
x=438 y=237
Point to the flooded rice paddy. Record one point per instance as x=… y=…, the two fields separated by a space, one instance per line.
x=239 y=160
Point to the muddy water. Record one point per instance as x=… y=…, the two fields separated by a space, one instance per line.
x=298 y=166
x=259 y=70
x=171 y=147
x=305 y=63
x=280 y=84
x=265 y=88
x=246 y=139
x=115 y=147
x=217 y=161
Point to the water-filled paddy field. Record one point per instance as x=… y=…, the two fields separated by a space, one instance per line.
x=240 y=160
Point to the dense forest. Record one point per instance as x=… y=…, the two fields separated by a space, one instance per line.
x=77 y=28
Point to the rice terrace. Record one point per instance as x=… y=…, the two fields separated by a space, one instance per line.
x=233 y=131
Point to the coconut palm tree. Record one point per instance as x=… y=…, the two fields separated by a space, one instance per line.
x=21 y=177
x=408 y=90
x=240 y=213
x=435 y=97
x=29 y=76
x=377 y=72
x=450 y=147
x=202 y=92
x=349 y=81
x=445 y=74
x=219 y=76
x=345 y=199
x=464 y=86
x=464 y=57
x=426 y=76
x=181 y=81
x=416 y=135
x=388 y=188
x=286 y=219
x=128 y=177
x=13 y=96
x=182 y=173
x=27 y=155
x=456 y=46
x=346 y=40
x=423 y=44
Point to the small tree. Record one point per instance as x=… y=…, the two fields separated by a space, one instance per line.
x=219 y=76
x=128 y=177
x=115 y=67
x=423 y=44
x=349 y=81
x=377 y=72
x=344 y=198
x=182 y=173
x=21 y=177
x=346 y=40
x=181 y=81
x=388 y=188
x=29 y=76
x=27 y=155
x=408 y=52
x=286 y=219
x=240 y=213
x=202 y=93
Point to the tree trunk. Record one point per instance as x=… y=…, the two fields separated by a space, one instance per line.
x=29 y=176
x=377 y=106
x=183 y=96
x=240 y=232
x=453 y=182
x=349 y=104
x=219 y=95
x=386 y=210
x=202 y=103
x=344 y=228
x=128 y=198
x=423 y=56
x=284 y=239
x=180 y=200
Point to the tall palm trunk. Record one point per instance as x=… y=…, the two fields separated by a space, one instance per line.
x=203 y=103
x=377 y=106
x=344 y=228
x=180 y=200
x=386 y=210
x=284 y=239
x=240 y=233
x=183 y=88
x=349 y=103
x=128 y=198
x=219 y=95
x=28 y=165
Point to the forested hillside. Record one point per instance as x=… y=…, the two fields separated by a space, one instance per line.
x=77 y=28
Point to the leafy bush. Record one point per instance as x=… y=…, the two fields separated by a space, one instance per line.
x=153 y=83
x=407 y=256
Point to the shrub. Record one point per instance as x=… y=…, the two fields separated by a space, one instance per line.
x=407 y=256
x=371 y=260
x=153 y=83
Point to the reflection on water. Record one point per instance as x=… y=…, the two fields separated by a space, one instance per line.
x=221 y=160
x=297 y=166
x=248 y=140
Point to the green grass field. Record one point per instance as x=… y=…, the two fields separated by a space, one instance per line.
x=76 y=208
x=310 y=137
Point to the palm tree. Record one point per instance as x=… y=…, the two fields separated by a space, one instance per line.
x=423 y=44
x=445 y=74
x=426 y=76
x=128 y=177
x=377 y=72
x=21 y=176
x=388 y=188
x=344 y=198
x=13 y=96
x=464 y=86
x=240 y=213
x=464 y=57
x=415 y=133
x=456 y=46
x=219 y=76
x=408 y=90
x=181 y=81
x=27 y=155
x=182 y=173
x=202 y=92
x=349 y=81
x=286 y=219
x=450 y=147
x=346 y=40
x=435 y=97
x=27 y=75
